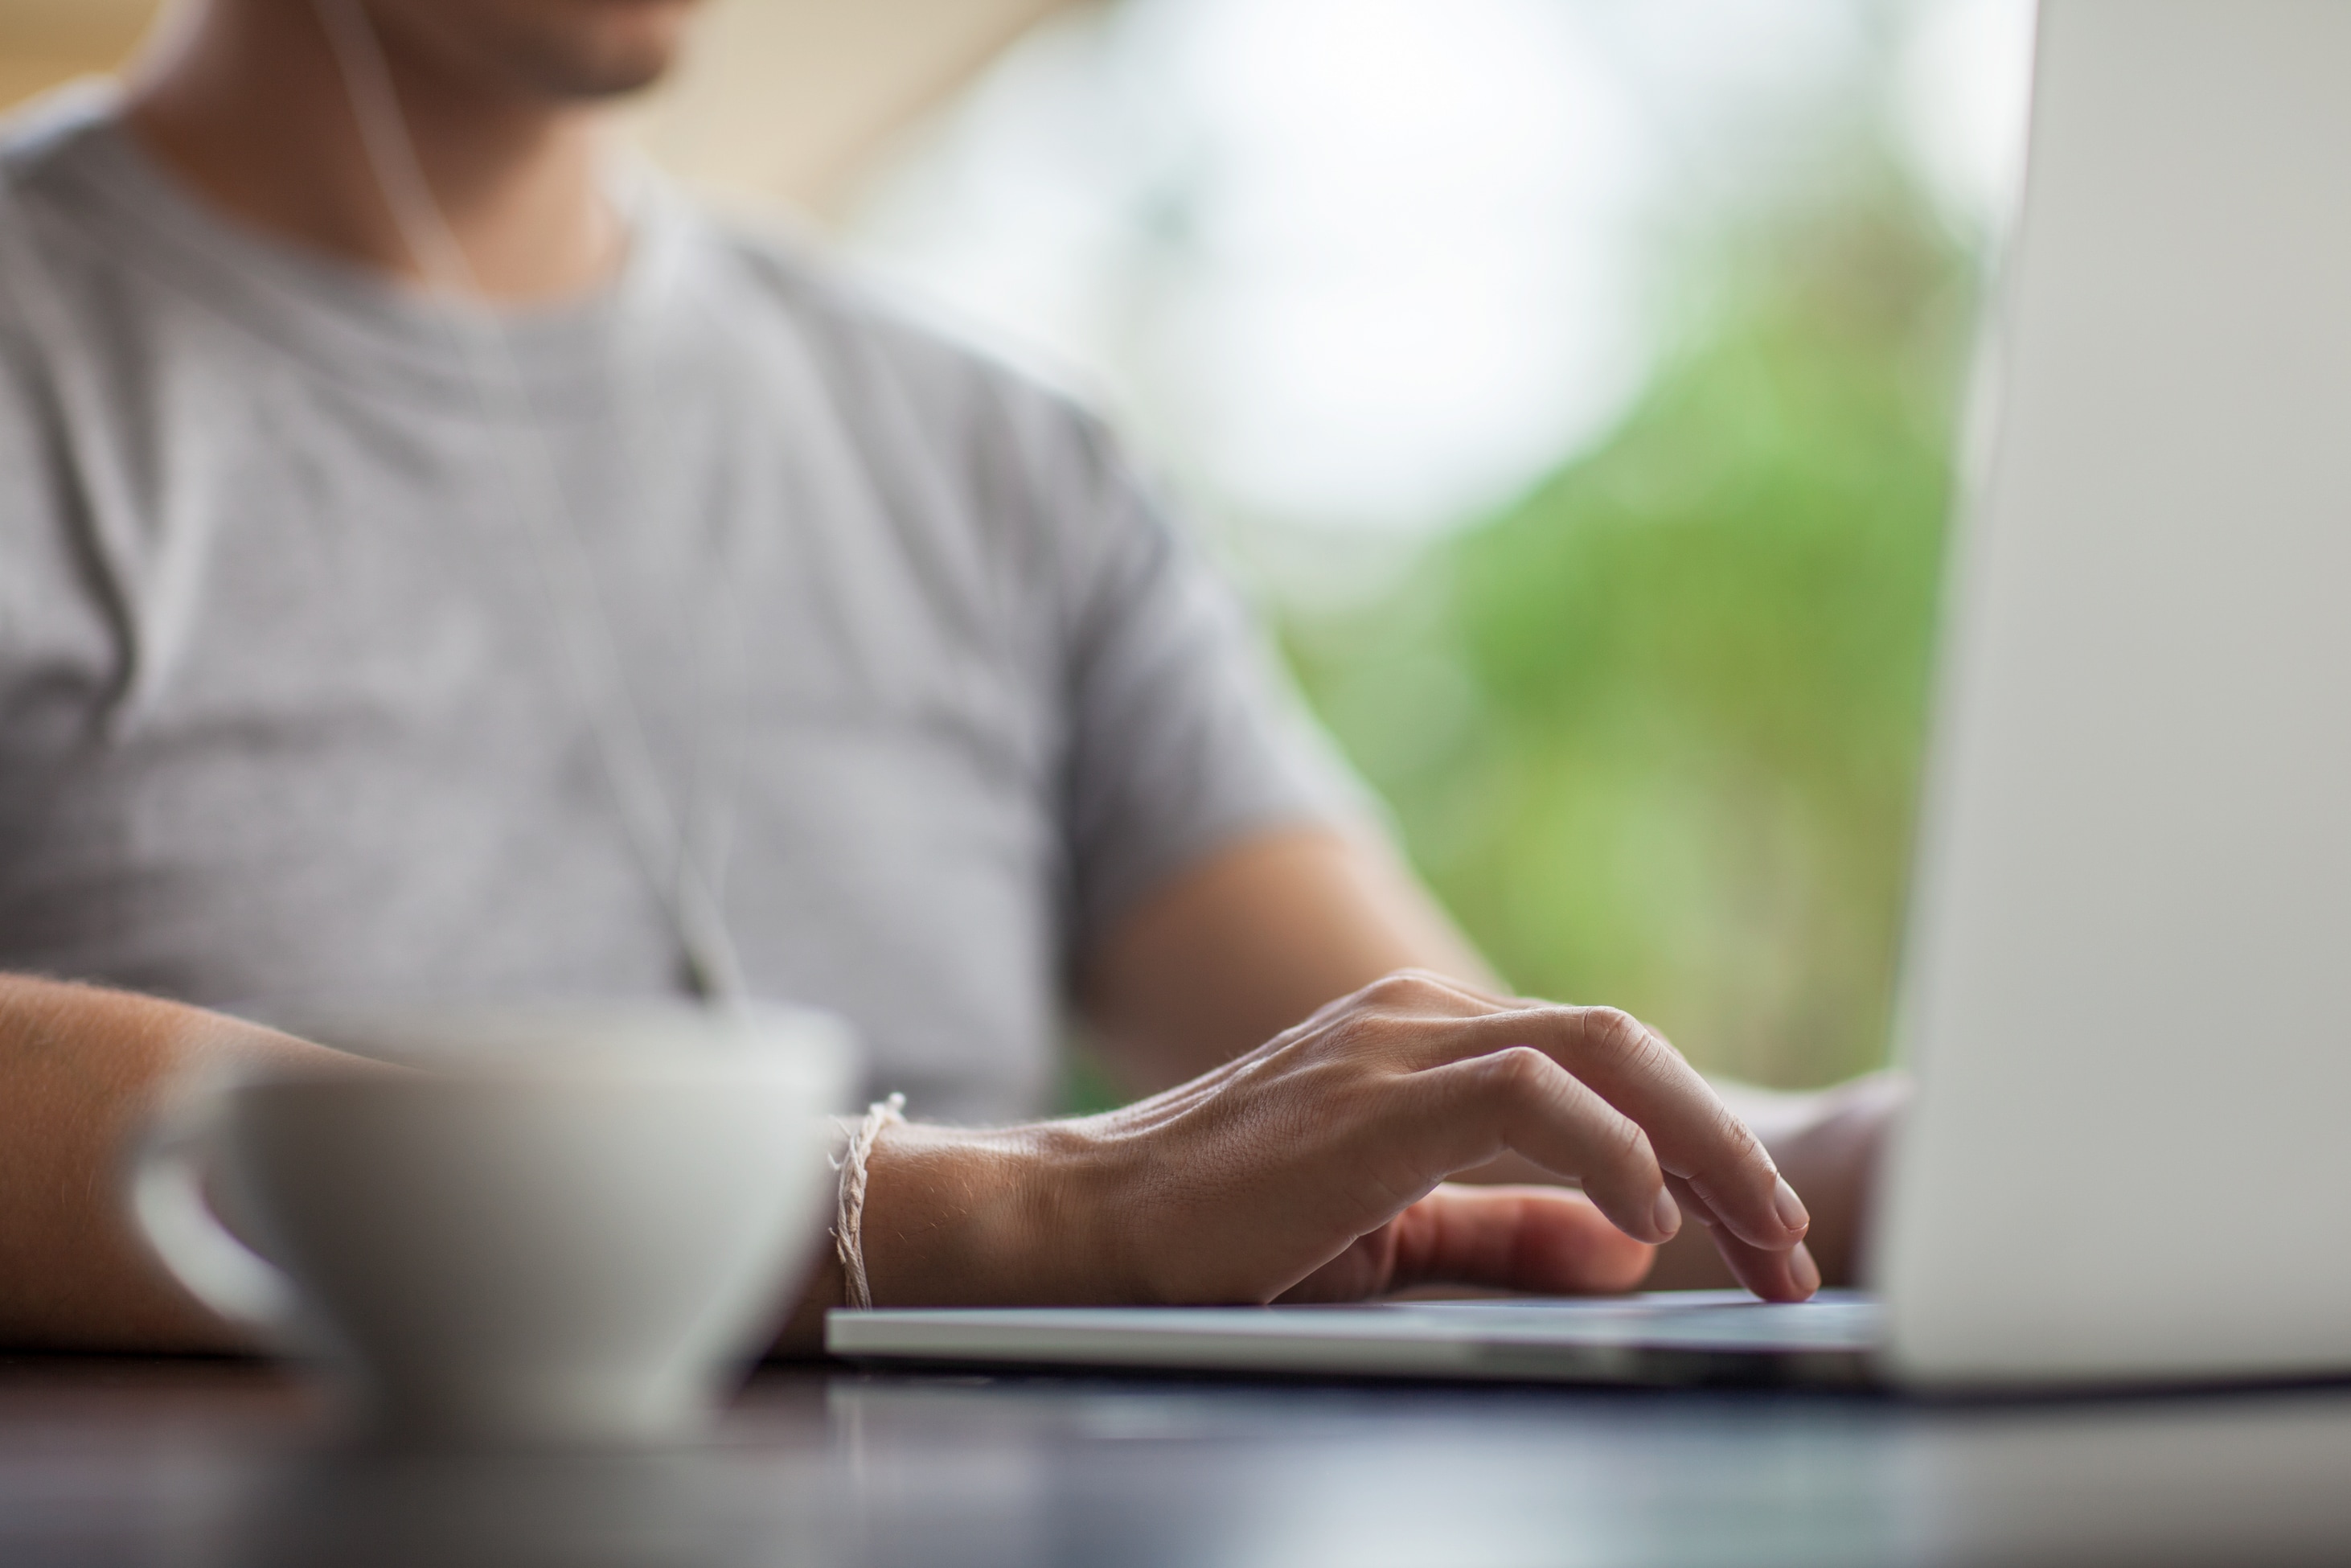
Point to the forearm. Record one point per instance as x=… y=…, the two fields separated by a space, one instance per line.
x=1252 y=941
x=79 y=1068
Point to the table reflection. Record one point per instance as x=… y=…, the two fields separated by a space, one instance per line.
x=139 y=1464
x=678 y=1509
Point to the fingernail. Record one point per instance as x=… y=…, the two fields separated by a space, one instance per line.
x=1803 y=1269
x=1668 y=1214
x=1791 y=1207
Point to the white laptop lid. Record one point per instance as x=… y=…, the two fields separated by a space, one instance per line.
x=2127 y=990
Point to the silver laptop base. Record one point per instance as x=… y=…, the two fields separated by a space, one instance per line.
x=1704 y=1338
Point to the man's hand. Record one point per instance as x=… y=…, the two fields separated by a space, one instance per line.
x=1312 y=1166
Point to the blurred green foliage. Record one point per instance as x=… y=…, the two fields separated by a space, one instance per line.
x=1653 y=732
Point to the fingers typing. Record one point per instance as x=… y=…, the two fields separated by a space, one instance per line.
x=1520 y=1099
x=1693 y=1134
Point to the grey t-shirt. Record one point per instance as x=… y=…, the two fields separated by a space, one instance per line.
x=282 y=713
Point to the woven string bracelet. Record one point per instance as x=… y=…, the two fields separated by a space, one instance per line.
x=849 y=1216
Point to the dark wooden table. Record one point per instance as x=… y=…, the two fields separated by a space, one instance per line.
x=196 y=1464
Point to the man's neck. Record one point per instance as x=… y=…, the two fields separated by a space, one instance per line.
x=248 y=108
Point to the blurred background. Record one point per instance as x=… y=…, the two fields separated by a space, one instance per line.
x=1576 y=384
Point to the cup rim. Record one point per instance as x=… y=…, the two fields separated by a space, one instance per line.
x=575 y=1039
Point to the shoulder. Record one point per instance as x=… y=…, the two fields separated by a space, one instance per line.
x=51 y=149
x=1027 y=468
x=52 y=156
x=69 y=264
x=874 y=343
x=50 y=153
x=37 y=148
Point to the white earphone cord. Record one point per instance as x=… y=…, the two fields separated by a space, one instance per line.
x=663 y=845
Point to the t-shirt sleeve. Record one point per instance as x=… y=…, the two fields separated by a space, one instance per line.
x=1184 y=734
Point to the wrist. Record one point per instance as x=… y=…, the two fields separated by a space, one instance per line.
x=1005 y=1216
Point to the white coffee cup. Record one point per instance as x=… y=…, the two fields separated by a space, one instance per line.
x=543 y=1224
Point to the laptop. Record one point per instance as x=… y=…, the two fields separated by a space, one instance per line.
x=2127 y=988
